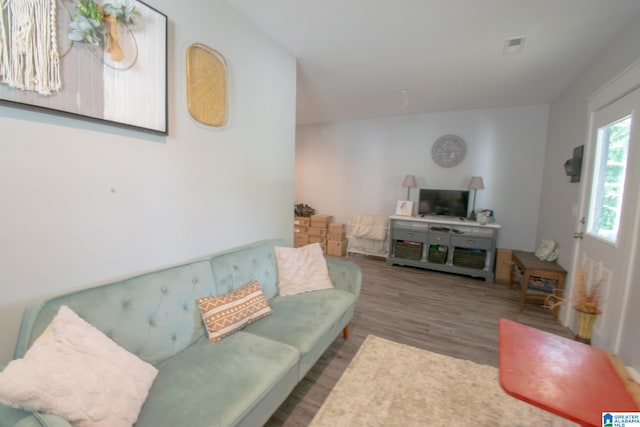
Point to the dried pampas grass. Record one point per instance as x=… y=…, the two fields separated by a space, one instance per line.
x=587 y=297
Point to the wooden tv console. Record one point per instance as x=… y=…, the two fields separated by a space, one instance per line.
x=454 y=245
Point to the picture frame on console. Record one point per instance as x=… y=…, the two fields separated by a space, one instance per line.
x=404 y=208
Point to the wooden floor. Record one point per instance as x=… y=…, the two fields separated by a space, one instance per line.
x=444 y=313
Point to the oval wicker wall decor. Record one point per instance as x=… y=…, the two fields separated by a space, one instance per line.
x=207 y=90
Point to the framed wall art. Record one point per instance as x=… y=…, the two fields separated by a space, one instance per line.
x=102 y=61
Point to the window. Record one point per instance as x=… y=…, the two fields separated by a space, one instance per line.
x=608 y=179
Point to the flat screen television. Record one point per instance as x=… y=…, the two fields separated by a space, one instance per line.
x=443 y=202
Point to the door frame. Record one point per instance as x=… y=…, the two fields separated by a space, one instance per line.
x=617 y=88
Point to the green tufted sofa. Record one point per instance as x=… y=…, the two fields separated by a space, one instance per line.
x=240 y=380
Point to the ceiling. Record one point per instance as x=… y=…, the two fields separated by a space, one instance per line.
x=356 y=56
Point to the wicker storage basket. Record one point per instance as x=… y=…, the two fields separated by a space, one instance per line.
x=408 y=250
x=438 y=254
x=469 y=258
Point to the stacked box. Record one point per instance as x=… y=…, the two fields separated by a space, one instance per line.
x=301 y=231
x=318 y=229
x=317 y=239
x=503 y=266
x=321 y=221
x=336 y=227
x=302 y=221
x=300 y=239
x=336 y=240
x=336 y=236
x=337 y=247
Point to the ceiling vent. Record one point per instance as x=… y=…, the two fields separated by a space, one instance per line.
x=513 y=45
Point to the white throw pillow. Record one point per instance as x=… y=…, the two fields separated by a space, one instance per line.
x=74 y=371
x=302 y=269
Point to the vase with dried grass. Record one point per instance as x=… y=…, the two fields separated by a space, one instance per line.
x=586 y=301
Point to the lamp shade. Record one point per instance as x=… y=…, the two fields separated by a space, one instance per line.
x=409 y=181
x=476 y=183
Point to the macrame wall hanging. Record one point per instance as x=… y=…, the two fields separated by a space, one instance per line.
x=4 y=44
x=29 y=57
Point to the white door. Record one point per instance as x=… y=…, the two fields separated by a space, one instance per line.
x=609 y=224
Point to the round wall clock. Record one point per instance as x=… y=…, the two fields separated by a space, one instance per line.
x=448 y=151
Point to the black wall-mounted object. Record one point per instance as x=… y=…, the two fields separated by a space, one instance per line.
x=573 y=166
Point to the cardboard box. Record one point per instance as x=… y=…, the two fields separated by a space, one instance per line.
x=300 y=238
x=318 y=231
x=300 y=229
x=336 y=227
x=337 y=248
x=321 y=220
x=301 y=220
x=336 y=236
x=317 y=239
x=503 y=266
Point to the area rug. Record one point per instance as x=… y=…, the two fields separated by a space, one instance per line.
x=392 y=384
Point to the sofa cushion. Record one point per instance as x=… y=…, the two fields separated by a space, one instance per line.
x=220 y=385
x=153 y=315
x=309 y=322
x=236 y=267
x=73 y=370
x=226 y=314
x=302 y=269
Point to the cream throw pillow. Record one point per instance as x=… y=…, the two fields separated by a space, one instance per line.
x=226 y=314
x=74 y=371
x=302 y=269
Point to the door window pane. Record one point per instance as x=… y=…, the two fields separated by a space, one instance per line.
x=608 y=179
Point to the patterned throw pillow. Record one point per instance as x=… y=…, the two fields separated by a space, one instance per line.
x=302 y=269
x=226 y=314
x=76 y=372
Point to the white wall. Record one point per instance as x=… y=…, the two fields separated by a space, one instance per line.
x=358 y=166
x=84 y=203
x=568 y=128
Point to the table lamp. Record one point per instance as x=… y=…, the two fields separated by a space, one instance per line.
x=475 y=184
x=409 y=182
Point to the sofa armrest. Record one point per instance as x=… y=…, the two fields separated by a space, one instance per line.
x=345 y=275
x=11 y=417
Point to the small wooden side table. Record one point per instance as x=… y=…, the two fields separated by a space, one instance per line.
x=533 y=267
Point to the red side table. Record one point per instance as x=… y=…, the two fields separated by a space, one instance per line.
x=565 y=377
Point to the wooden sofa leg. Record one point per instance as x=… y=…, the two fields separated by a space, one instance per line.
x=345 y=332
